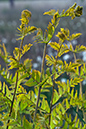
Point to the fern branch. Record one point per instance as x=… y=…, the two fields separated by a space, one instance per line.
x=78 y=114
x=5 y=96
x=51 y=101
x=42 y=69
x=51 y=105
x=29 y=74
x=35 y=104
x=80 y=92
x=11 y=108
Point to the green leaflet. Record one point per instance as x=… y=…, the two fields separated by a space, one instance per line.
x=75 y=81
x=64 y=34
x=45 y=105
x=56 y=97
x=36 y=75
x=50 y=60
x=26 y=48
x=51 y=12
x=55 y=45
x=79 y=48
x=43 y=82
x=31 y=82
x=26 y=123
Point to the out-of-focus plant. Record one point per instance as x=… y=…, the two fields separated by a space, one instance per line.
x=15 y=101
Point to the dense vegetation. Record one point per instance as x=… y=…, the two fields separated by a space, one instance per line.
x=34 y=108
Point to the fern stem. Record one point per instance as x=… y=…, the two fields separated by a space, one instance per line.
x=11 y=108
x=51 y=103
x=78 y=73
x=80 y=92
x=42 y=69
x=44 y=53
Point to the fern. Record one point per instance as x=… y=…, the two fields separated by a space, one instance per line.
x=22 y=109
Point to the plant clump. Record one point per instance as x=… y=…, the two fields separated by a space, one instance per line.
x=22 y=109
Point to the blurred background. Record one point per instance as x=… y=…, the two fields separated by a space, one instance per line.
x=10 y=12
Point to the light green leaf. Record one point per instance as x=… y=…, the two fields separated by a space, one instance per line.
x=56 y=97
x=51 y=12
x=26 y=124
x=50 y=60
x=55 y=45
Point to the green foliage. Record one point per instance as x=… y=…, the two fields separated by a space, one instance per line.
x=16 y=103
